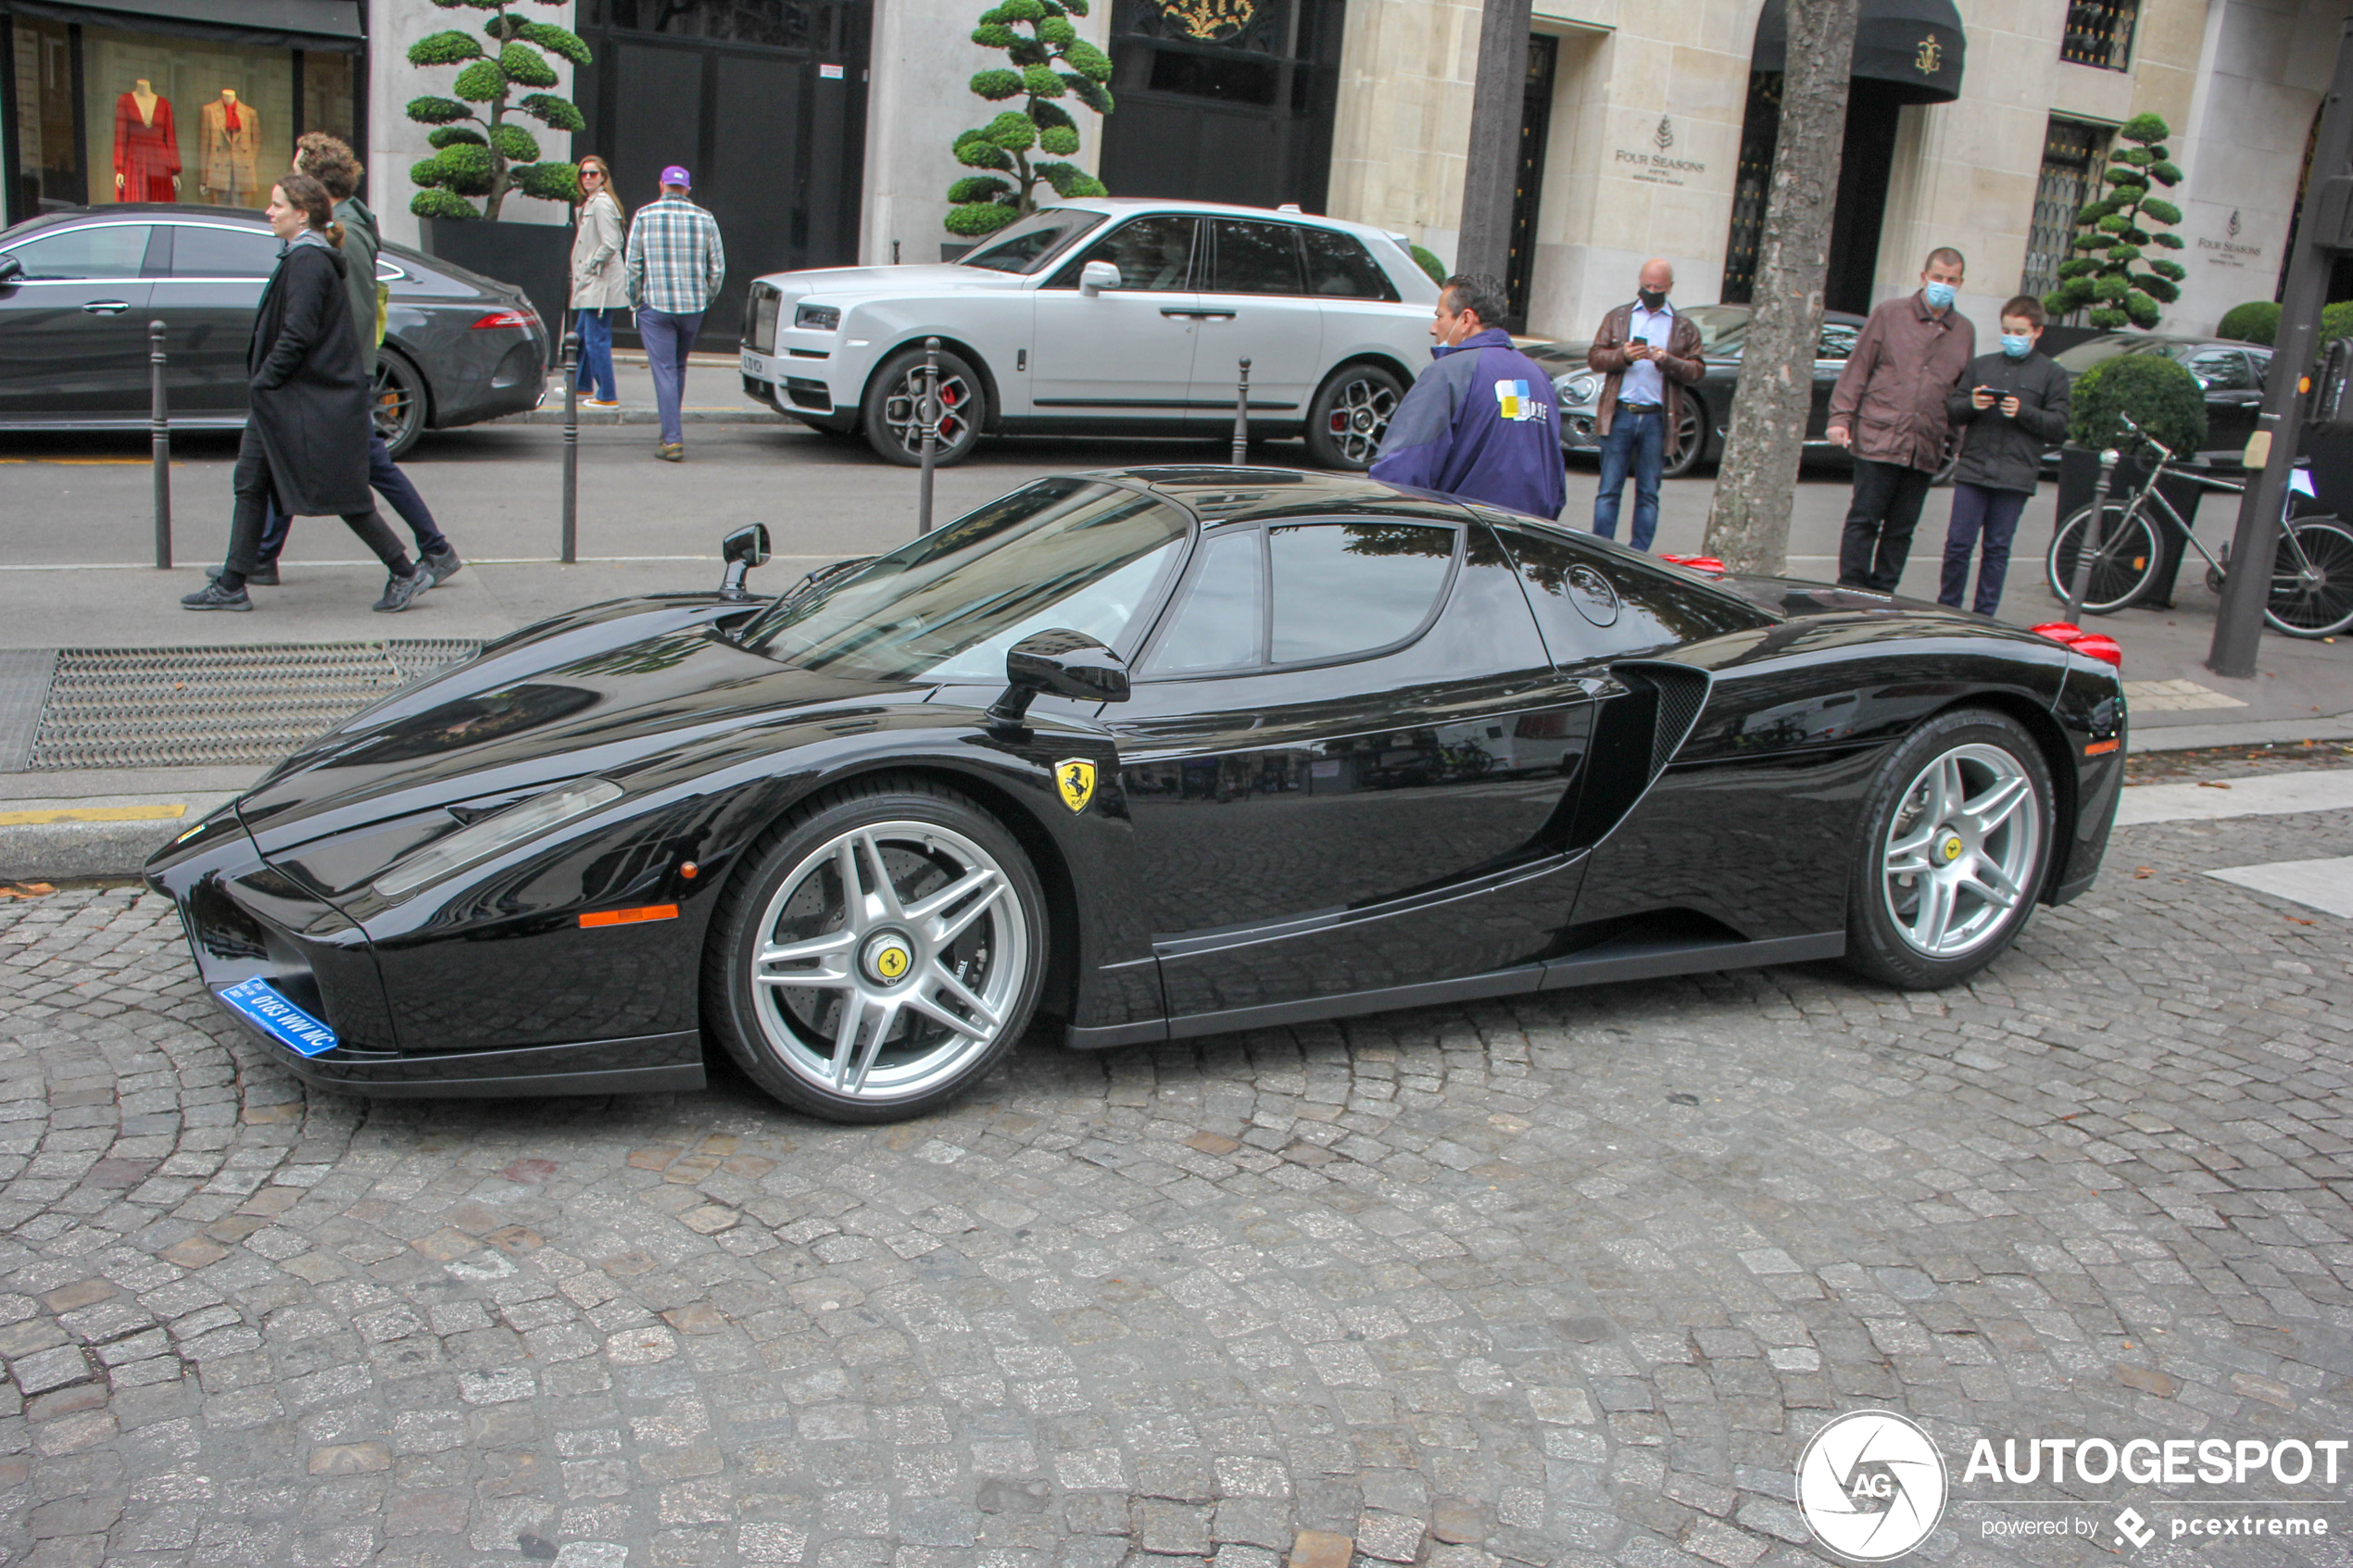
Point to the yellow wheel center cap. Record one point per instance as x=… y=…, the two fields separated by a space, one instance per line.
x=888 y=957
x=1951 y=848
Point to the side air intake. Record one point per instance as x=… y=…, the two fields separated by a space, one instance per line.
x=1682 y=694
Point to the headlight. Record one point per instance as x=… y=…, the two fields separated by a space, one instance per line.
x=1583 y=387
x=817 y=318
x=523 y=820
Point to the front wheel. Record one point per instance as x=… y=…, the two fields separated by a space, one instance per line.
x=882 y=949
x=398 y=402
x=2126 y=558
x=1956 y=831
x=2312 y=579
x=1350 y=415
x=1691 y=438
x=894 y=421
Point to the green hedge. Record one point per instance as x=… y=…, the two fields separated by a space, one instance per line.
x=2162 y=396
x=2256 y=321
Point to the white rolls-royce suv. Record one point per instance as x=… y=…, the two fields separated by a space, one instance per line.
x=1108 y=317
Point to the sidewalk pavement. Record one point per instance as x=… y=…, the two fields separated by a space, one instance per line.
x=714 y=394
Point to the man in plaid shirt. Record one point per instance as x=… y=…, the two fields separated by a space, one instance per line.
x=675 y=263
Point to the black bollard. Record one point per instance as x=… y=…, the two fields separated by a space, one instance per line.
x=571 y=449
x=929 y=414
x=1241 y=418
x=2095 y=535
x=160 y=414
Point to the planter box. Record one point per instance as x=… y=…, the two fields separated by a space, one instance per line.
x=2079 y=482
x=535 y=257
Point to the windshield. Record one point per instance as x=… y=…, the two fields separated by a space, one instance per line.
x=949 y=606
x=1027 y=245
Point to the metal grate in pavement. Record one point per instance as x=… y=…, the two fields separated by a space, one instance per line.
x=170 y=708
x=24 y=687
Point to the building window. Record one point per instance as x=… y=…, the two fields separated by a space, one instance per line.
x=2071 y=154
x=2099 y=33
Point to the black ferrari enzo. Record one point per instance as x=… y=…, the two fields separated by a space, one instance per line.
x=1155 y=754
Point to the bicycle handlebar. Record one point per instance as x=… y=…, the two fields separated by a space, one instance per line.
x=2126 y=420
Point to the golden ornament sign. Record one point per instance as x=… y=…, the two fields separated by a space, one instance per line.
x=1928 y=56
x=1213 y=21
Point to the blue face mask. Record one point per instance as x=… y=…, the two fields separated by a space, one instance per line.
x=2017 y=348
x=1939 y=295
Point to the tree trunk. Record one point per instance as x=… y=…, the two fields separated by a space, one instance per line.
x=1491 y=172
x=1748 y=524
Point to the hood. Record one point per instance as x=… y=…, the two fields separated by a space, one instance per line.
x=848 y=282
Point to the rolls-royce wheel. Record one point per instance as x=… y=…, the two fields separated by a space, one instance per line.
x=894 y=420
x=1351 y=414
x=1957 y=833
x=880 y=949
x=399 y=401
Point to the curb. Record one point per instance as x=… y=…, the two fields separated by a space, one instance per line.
x=748 y=415
x=2256 y=731
x=105 y=835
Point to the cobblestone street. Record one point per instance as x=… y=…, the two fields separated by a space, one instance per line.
x=1567 y=1281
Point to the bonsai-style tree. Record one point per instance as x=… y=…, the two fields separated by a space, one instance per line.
x=2123 y=285
x=982 y=203
x=500 y=156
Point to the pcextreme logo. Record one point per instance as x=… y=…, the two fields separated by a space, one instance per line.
x=1872 y=1485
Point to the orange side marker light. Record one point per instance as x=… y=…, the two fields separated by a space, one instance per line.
x=2102 y=747
x=630 y=917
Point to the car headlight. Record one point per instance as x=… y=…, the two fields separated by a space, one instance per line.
x=817 y=318
x=525 y=818
x=1583 y=387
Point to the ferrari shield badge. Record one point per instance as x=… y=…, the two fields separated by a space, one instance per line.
x=1075 y=777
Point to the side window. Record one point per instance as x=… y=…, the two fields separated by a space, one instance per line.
x=106 y=250
x=202 y=250
x=1838 y=341
x=1216 y=626
x=1594 y=605
x=1256 y=258
x=1152 y=254
x=1342 y=588
x=1339 y=268
x=2222 y=369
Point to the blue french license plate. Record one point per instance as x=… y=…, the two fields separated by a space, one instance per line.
x=279 y=1019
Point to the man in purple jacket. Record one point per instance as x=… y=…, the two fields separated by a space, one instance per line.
x=1480 y=423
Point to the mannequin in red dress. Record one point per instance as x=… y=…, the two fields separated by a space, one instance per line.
x=146 y=151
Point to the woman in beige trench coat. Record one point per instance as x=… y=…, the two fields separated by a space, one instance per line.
x=598 y=284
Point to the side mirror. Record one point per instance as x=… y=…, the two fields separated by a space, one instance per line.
x=742 y=550
x=1058 y=663
x=1097 y=276
x=10 y=268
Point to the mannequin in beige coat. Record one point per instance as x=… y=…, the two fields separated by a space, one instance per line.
x=598 y=281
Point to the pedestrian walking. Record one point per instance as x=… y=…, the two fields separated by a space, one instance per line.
x=1479 y=422
x=600 y=279
x=331 y=161
x=1889 y=409
x=2009 y=406
x=310 y=396
x=674 y=266
x=1648 y=354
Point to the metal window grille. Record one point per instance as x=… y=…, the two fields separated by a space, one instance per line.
x=2071 y=155
x=2099 y=33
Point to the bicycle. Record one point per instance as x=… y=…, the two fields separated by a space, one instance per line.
x=2312 y=576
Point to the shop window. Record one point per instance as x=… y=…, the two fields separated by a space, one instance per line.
x=775 y=24
x=2099 y=33
x=2071 y=152
x=48 y=172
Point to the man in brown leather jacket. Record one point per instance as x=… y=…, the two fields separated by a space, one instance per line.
x=1650 y=354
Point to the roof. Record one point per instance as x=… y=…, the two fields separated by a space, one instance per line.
x=1116 y=205
x=1217 y=494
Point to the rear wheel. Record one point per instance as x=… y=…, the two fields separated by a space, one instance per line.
x=882 y=949
x=2126 y=558
x=1351 y=414
x=399 y=401
x=1691 y=436
x=893 y=419
x=2312 y=579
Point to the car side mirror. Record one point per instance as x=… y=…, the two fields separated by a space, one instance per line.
x=1058 y=663
x=742 y=550
x=1097 y=276
x=10 y=268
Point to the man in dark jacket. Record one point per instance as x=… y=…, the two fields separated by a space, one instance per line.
x=1888 y=409
x=2009 y=406
x=1650 y=354
x=1480 y=423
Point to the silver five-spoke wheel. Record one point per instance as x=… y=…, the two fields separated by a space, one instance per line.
x=1961 y=851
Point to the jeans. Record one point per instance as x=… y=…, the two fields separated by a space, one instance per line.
x=385 y=478
x=256 y=494
x=595 y=354
x=1878 y=536
x=668 y=340
x=1636 y=440
x=1993 y=514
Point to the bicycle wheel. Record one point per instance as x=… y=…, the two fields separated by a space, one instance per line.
x=2123 y=563
x=2312 y=579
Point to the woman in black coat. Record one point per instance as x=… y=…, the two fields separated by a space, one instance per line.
x=307 y=437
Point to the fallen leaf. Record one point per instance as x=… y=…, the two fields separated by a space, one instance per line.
x=2210 y=784
x=25 y=890
x=2293 y=920
x=2140 y=872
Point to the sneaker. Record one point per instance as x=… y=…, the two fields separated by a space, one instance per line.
x=401 y=592
x=672 y=452
x=601 y=402
x=215 y=596
x=265 y=578
x=442 y=566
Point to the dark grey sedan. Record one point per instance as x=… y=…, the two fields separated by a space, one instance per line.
x=77 y=289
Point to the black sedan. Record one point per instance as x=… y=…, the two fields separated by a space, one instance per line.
x=77 y=289
x=1154 y=754
x=2231 y=374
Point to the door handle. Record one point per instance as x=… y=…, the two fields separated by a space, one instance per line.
x=105 y=307
x=1199 y=315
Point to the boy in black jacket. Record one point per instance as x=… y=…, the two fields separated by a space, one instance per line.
x=2009 y=406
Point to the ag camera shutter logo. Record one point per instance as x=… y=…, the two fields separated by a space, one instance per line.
x=1872 y=1485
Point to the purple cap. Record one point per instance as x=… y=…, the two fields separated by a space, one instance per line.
x=675 y=175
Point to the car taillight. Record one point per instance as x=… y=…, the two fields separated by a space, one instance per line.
x=1708 y=564
x=498 y=319
x=2091 y=644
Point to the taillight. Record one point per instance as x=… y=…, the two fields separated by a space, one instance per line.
x=2091 y=644
x=1708 y=564
x=498 y=319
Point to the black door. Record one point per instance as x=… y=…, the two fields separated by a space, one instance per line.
x=74 y=324
x=1353 y=782
x=212 y=280
x=2233 y=397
